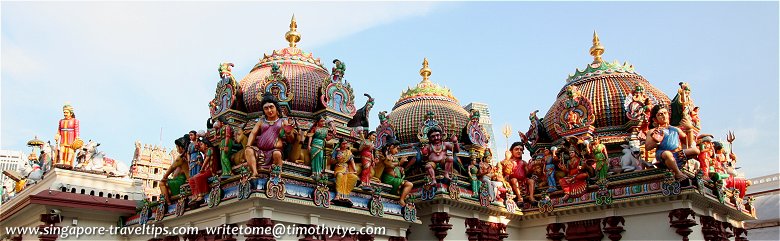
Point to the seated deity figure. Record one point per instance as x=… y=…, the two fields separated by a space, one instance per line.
x=515 y=169
x=393 y=174
x=344 y=169
x=436 y=153
x=318 y=135
x=367 y=159
x=667 y=140
x=486 y=175
x=180 y=170
x=724 y=171
x=199 y=184
x=575 y=182
x=265 y=140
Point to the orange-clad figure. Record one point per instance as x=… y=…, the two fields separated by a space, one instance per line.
x=67 y=134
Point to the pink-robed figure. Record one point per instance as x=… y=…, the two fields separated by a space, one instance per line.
x=265 y=141
x=67 y=134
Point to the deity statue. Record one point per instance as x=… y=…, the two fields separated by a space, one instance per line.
x=645 y=117
x=515 y=169
x=195 y=160
x=575 y=182
x=706 y=155
x=393 y=174
x=573 y=119
x=265 y=140
x=179 y=169
x=226 y=149
x=68 y=137
x=199 y=183
x=487 y=175
x=436 y=153
x=473 y=172
x=318 y=135
x=338 y=70
x=724 y=171
x=344 y=169
x=599 y=152
x=667 y=140
x=550 y=160
x=367 y=158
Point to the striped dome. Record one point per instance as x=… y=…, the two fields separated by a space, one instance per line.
x=606 y=85
x=304 y=72
x=410 y=110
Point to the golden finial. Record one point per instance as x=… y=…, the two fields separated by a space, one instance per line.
x=293 y=36
x=425 y=72
x=597 y=49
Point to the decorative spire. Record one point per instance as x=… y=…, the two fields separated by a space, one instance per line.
x=425 y=72
x=597 y=49
x=293 y=36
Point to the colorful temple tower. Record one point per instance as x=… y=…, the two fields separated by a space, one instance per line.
x=148 y=165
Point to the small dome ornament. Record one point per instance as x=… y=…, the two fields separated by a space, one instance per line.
x=292 y=36
x=597 y=49
x=425 y=72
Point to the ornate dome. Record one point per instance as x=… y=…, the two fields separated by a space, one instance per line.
x=605 y=87
x=304 y=72
x=410 y=110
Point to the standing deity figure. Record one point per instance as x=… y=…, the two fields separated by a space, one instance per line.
x=195 y=159
x=367 y=159
x=515 y=169
x=599 y=152
x=550 y=160
x=226 y=149
x=179 y=169
x=344 y=169
x=265 y=140
x=67 y=137
x=685 y=94
x=393 y=173
x=666 y=139
x=436 y=153
x=318 y=136
x=706 y=155
x=473 y=172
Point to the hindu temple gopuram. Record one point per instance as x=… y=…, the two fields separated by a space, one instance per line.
x=613 y=157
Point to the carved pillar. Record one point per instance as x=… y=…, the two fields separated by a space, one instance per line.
x=555 y=231
x=502 y=234
x=306 y=235
x=17 y=238
x=710 y=228
x=365 y=237
x=678 y=219
x=155 y=239
x=263 y=223
x=725 y=231
x=49 y=220
x=738 y=232
x=440 y=223
x=491 y=231
x=225 y=236
x=612 y=227
x=584 y=230
x=397 y=238
x=171 y=238
x=473 y=229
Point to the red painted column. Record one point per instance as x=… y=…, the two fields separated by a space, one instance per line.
x=264 y=223
x=679 y=220
x=48 y=220
x=555 y=231
x=612 y=227
x=473 y=229
x=440 y=224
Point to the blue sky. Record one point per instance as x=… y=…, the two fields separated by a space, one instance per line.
x=132 y=69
